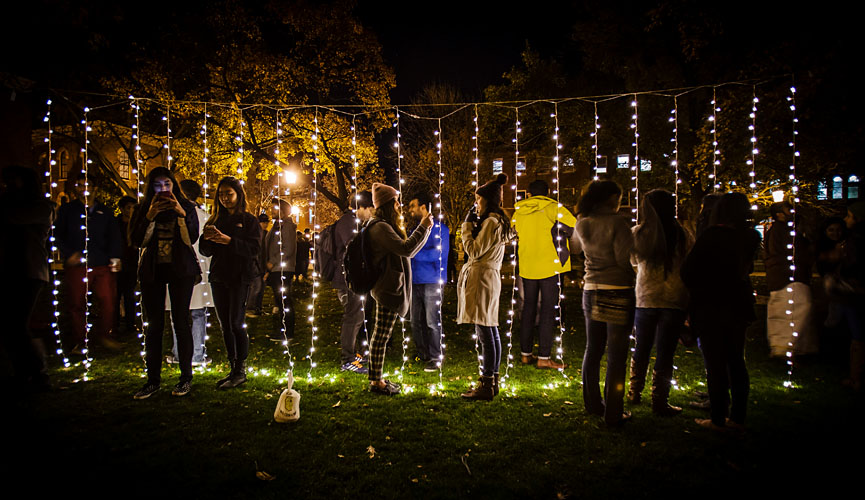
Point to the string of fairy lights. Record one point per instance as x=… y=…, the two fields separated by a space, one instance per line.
x=314 y=293
x=52 y=263
x=139 y=173
x=716 y=151
x=357 y=222
x=400 y=181
x=674 y=157
x=475 y=182
x=509 y=361
x=86 y=258
x=560 y=350
x=286 y=342
x=594 y=136
x=791 y=224
x=438 y=224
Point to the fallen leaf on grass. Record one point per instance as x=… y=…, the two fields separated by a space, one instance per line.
x=264 y=476
x=414 y=479
x=547 y=414
x=340 y=456
x=569 y=402
x=387 y=438
x=371 y=451
x=337 y=404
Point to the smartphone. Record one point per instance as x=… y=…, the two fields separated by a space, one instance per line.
x=164 y=194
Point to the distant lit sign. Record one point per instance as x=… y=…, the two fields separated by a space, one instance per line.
x=623 y=161
x=645 y=165
x=498 y=164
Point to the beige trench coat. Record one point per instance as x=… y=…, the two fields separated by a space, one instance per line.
x=480 y=280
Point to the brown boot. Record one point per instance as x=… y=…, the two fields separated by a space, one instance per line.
x=528 y=360
x=549 y=364
x=483 y=391
x=636 y=384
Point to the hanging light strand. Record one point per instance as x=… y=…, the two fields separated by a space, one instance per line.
x=674 y=157
x=139 y=195
x=752 y=174
x=286 y=342
x=52 y=263
x=314 y=292
x=203 y=261
x=791 y=224
x=716 y=151
x=596 y=153
x=635 y=167
x=560 y=351
x=405 y=340
x=438 y=224
x=86 y=259
x=509 y=361
x=357 y=222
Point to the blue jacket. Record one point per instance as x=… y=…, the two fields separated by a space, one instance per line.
x=425 y=266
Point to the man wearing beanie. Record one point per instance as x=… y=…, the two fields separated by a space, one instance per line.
x=543 y=227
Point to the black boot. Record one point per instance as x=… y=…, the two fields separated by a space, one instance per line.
x=483 y=391
x=227 y=377
x=237 y=377
x=661 y=395
x=636 y=384
x=495 y=384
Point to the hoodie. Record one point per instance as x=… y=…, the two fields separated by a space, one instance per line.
x=543 y=248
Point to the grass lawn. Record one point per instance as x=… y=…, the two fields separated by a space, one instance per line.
x=92 y=440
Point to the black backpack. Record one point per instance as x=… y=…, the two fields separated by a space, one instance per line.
x=325 y=253
x=360 y=271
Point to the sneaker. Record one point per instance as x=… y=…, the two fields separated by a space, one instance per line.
x=171 y=359
x=360 y=358
x=205 y=362
x=431 y=366
x=389 y=388
x=146 y=391
x=354 y=366
x=182 y=388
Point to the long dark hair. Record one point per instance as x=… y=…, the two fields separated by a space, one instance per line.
x=492 y=192
x=733 y=210
x=389 y=214
x=219 y=208
x=710 y=201
x=659 y=238
x=595 y=194
x=150 y=192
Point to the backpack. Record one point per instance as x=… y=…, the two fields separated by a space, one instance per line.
x=325 y=253
x=360 y=271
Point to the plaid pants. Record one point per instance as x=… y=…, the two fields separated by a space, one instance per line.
x=384 y=320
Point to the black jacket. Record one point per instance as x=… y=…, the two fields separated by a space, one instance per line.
x=236 y=262
x=102 y=231
x=184 y=262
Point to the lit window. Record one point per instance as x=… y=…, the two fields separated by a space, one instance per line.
x=63 y=163
x=498 y=165
x=837 y=188
x=852 y=187
x=822 y=190
x=123 y=163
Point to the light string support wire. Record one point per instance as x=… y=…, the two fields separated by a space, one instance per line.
x=52 y=262
x=791 y=225
x=559 y=214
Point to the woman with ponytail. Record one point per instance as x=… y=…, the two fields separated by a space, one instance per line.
x=484 y=233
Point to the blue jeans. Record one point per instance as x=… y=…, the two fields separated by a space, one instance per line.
x=199 y=332
x=613 y=338
x=660 y=327
x=491 y=348
x=426 y=325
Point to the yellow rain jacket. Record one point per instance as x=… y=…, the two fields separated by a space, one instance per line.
x=534 y=221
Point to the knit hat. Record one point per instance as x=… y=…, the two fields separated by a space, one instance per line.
x=382 y=193
x=492 y=190
x=858 y=210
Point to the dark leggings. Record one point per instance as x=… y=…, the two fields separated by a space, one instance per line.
x=153 y=300
x=230 y=302
x=491 y=348
x=722 y=340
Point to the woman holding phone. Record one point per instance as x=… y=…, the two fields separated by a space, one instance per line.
x=232 y=237
x=165 y=226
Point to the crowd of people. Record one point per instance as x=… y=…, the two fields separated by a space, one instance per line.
x=655 y=280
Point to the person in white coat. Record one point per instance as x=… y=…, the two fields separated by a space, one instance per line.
x=484 y=237
x=201 y=296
